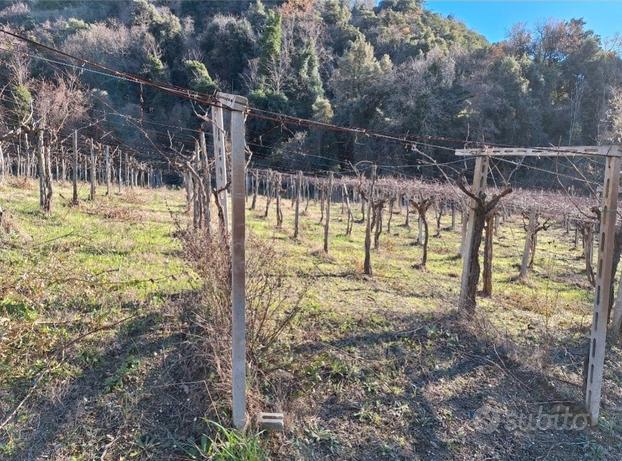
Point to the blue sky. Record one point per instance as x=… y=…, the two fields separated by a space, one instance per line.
x=493 y=18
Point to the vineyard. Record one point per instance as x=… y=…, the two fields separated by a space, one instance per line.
x=375 y=365
x=255 y=267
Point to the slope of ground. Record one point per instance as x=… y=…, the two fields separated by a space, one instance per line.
x=94 y=364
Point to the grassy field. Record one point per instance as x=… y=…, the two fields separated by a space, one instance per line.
x=93 y=362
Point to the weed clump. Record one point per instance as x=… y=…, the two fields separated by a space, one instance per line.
x=273 y=301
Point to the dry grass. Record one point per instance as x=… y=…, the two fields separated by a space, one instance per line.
x=273 y=302
x=374 y=368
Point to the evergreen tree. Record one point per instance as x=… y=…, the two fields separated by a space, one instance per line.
x=270 y=46
x=198 y=77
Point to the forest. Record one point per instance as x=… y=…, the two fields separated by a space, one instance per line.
x=392 y=67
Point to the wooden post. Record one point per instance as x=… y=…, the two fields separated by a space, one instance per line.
x=480 y=176
x=329 y=194
x=108 y=171
x=218 y=130
x=93 y=172
x=74 y=173
x=596 y=359
x=238 y=275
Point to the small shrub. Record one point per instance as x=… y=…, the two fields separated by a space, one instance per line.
x=273 y=300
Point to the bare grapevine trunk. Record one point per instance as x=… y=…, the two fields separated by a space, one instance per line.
x=531 y=227
x=439 y=216
x=349 y=210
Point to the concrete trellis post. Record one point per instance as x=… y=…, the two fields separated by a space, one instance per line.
x=237 y=104
x=598 y=335
x=329 y=194
x=108 y=171
x=480 y=176
x=598 y=332
x=74 y=172
x=120 y=170
x=218 y=130
x=370 y=197
x=42 y=170
x=127 y=170
x=48 y=179
x=297 y=203
x=93 y=171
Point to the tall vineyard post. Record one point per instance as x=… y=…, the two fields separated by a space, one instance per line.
x=480 y=176
x=74 y=172
x=238 y=275
x=92 y=176
x=370 y=194
x=297 y=203
x=598 y=336
x=107 y=166
x=329 y=193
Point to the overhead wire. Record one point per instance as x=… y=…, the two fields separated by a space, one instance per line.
x=406 y=140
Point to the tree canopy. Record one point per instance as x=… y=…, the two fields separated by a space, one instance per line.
x=392 y=66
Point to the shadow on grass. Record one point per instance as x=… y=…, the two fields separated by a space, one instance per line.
x=423 y=387
x=137 y=393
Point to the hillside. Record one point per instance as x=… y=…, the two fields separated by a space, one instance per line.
x=395 y=67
